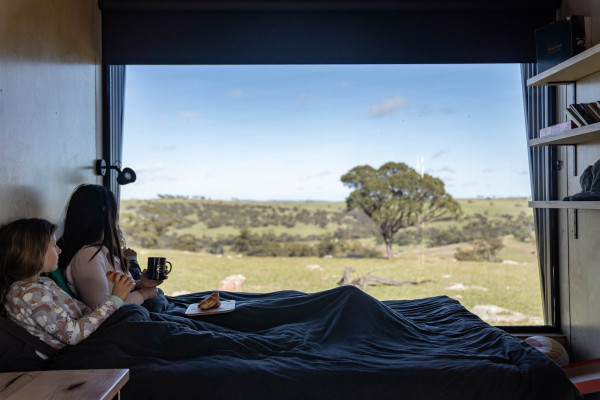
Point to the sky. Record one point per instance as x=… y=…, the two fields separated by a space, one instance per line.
x=289 y=132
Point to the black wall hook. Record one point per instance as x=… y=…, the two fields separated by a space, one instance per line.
x=125 y=176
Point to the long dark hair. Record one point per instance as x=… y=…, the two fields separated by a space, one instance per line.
x=23 y=247
x=91 y=219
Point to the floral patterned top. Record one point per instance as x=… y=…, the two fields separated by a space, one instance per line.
x=50 y=314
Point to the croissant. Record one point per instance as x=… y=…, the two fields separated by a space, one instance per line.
x=111 y=275
x=211 y=301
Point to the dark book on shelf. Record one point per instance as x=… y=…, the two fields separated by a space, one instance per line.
x=583 y=112
x=589 y=107
x=574 y=117
x=559 y=41
x=596 y=107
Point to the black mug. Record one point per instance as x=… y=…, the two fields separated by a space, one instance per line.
x=157 y=268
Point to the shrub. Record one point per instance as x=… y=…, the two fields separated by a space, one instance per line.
x=481 y=250
x=357 y=250
x=187 y=241
x=266 y=249
x=299 y=250
x=148 y=240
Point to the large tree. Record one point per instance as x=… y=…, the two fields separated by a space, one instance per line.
x=395 y=196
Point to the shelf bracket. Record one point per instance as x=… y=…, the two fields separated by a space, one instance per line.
x=575 y=225
x=574 y=160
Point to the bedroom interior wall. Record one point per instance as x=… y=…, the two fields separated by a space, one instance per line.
x=579 y=274
x=50 y=104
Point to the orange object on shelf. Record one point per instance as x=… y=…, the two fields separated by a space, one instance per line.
x=585 y=375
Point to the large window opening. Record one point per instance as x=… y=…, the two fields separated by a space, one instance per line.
x=240 y=175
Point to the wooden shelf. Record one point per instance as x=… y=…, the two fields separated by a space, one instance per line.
x=579 y=205
x=584 y=134
x=98 y=384
x=571 y=70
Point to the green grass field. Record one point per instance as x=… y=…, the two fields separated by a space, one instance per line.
x=513 y=285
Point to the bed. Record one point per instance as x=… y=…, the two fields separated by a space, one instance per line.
x=340 y=343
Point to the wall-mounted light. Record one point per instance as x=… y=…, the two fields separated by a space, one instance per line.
x=125 y=176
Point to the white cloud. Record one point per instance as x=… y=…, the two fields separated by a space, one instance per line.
x=235 y=94
x=304 y=97
x=316 y=176
x=388 y=106
x=439 y=154
x=343 y=84
x=487 y=170
x=187 y=115
x=446 y=169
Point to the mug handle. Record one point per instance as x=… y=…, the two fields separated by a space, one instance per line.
x=168 y=271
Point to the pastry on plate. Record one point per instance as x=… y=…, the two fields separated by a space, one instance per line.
x=211 y=301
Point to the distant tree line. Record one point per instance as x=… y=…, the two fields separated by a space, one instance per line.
x=252 y=244
x=183 y=214
x=166 y=223
x=482 y=234
x=163 y=224
x=473 y=227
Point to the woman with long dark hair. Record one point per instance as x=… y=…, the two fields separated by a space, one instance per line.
x=91 y=247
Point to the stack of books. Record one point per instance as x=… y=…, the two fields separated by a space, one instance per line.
x=584 y=113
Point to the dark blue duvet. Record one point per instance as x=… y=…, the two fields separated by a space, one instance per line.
x=336 y=344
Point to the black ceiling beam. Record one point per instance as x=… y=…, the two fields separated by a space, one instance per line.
x=321 y=32
x=361 y=5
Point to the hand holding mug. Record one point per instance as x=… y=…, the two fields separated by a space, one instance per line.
x=157 y=268
x=146 y=282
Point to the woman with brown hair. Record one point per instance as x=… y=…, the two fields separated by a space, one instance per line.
x=27 y=249
x=92 y=247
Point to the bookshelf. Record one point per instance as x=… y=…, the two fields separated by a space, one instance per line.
x=584 y=134
x=575 y=205
x=569 y=72
x=583 y=64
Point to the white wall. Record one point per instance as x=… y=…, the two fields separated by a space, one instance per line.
x=50 y=103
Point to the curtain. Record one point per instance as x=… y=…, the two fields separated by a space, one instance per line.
x=540 y=111
x=112 y=122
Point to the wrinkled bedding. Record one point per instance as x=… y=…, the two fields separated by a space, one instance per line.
x=340 y=343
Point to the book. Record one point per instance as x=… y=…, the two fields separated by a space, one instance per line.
x=581 y=110
x=590 y=109
x=558 y=128
x=596 y=107
x=574 y=117
x=559 y=41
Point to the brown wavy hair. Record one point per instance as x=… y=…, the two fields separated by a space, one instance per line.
x=23 y=247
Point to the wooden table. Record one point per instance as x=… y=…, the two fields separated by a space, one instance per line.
x=92 y=384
